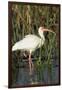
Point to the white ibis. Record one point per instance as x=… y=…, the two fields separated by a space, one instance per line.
x=30 y=43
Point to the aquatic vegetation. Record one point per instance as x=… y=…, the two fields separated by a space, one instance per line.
x=25 y=20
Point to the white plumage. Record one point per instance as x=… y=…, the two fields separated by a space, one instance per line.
x=30 y=43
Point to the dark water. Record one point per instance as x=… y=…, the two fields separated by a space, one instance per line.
x=39 y=76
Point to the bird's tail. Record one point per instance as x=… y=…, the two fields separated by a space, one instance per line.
x=15 y=47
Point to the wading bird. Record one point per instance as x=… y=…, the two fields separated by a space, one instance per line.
x=30 y=43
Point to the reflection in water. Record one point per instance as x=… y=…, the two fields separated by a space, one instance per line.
x=47 y=75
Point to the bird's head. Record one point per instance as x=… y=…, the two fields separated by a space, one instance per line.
x=42 y=29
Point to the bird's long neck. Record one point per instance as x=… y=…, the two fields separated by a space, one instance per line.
x=42 y=37
x=41 y=34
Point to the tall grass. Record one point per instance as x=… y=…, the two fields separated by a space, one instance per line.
x=27 y=19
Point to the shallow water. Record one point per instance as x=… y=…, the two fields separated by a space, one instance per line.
x=43 y=77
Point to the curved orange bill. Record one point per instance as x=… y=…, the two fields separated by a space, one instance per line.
x=49 y=30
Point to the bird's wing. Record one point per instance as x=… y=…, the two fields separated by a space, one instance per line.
x=30 y=35
x=27 y=43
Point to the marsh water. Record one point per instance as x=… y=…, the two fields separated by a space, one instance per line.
x=26 y=19
x=42 y=74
